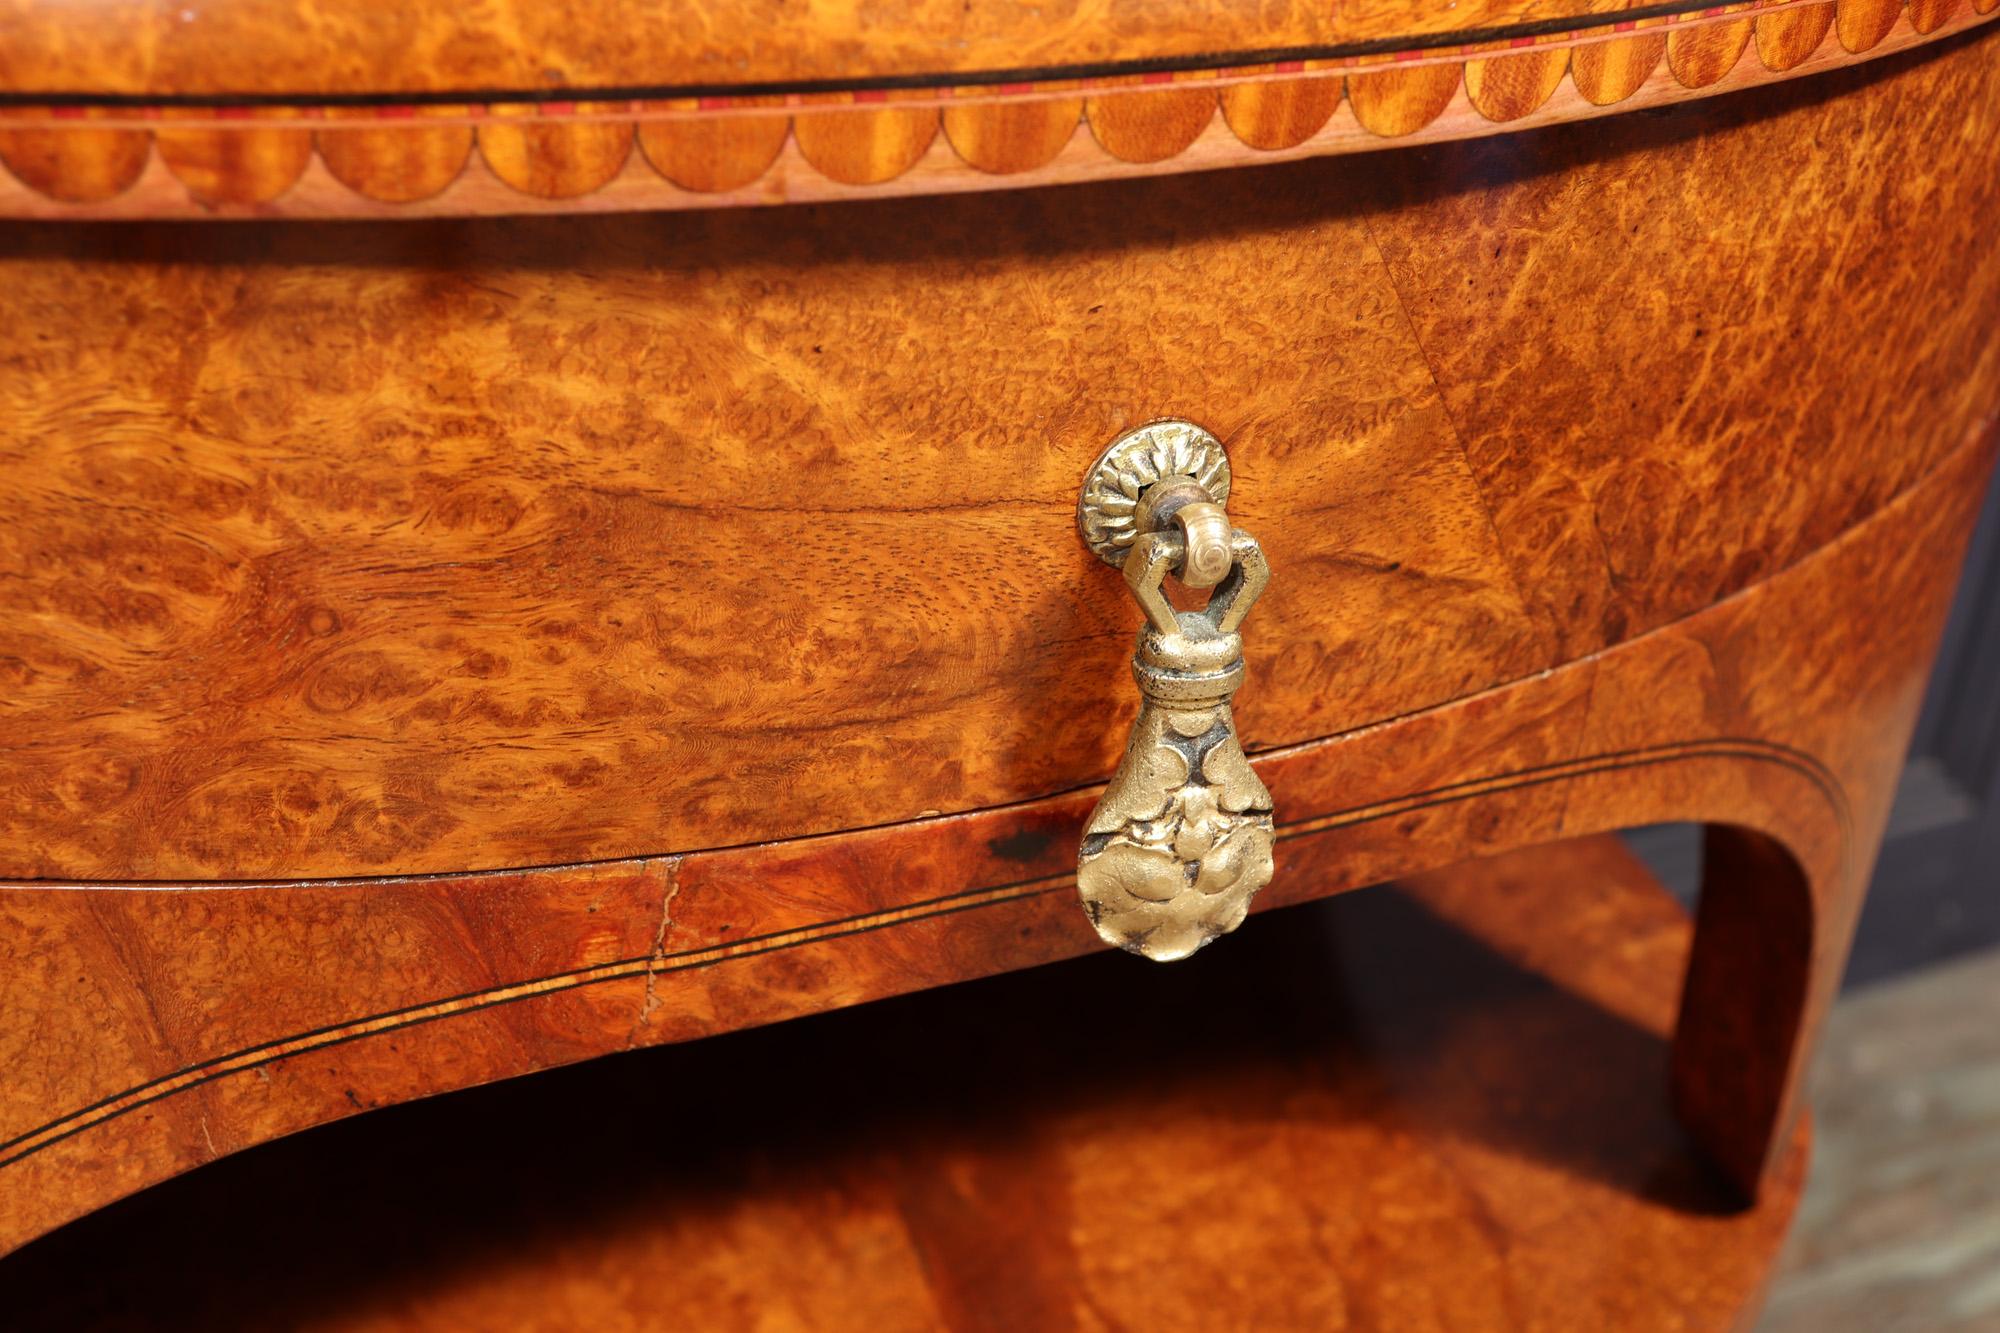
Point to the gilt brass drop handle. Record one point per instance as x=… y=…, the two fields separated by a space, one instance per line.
x=1182 y=839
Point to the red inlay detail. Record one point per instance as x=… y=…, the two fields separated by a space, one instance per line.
x=711 y=103
x=558 y=108
x=871 y=95
x=1158 y=76
x=1290 y=67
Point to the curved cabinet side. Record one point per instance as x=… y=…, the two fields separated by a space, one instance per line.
x=148 y=1030
x=410 y=549
x=120 y=164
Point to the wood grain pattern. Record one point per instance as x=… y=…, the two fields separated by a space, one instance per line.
x=1863 y=23
x=561 y=452
x=865 y=147
x=1008 y=137
x=719 y=151
x=1279 y=114
x=1150 y=126
x=1606 y=73
x=1784 y=40
x=396 y=164
x=299 y=48
x=1762 y=408
x=554 y=157
x=233 y=165
x=1451 y=1106
x=74 y=164
x=1927 y=16
x=346 y=564
x=1703 y=56
x=1395 y=102
x=1509 y=87
x=246 y=675
x=716 y=153
x=151 y=1031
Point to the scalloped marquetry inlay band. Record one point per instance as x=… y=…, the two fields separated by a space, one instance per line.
x=117 y=161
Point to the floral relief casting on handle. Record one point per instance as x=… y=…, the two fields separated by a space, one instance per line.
x=1182 y=839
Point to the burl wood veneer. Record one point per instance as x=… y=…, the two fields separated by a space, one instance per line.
x=1452 y=1104
x=436 y=651
x=426 y=110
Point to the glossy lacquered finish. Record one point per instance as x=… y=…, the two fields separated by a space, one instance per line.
x=442 y=651
x=1434 y=1106
x=433 y=50
x=165 y=1028
x=99 y=154
x=417 y=549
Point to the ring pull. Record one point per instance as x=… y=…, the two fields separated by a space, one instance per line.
x=1182 y=839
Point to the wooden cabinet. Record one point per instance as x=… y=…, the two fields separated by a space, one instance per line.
x=439 y=648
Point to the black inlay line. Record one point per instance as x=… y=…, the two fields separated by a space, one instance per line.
x=617 y=969
x=470 y=1002
x=1444 y=796
x=1806 y=765
x=214 y=1072
x=1198 y=61
x=1450 y=793
x=1279 y=753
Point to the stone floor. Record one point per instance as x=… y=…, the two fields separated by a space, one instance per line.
x=1900 y=1228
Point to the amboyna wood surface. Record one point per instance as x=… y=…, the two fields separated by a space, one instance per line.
x=101 y=156
x=439 y=651
x=435 y=548
x=570 y=49
x=1438 y=1106
x=153 y=1031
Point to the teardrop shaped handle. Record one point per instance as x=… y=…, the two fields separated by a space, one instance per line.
x=1182 y=839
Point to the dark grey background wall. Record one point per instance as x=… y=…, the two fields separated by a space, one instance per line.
x=1937 y=887
x=1936 y=892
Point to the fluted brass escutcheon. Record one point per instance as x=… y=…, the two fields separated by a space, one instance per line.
x=1182 y=839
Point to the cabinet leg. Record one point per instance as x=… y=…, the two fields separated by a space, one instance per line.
x=1736 y=1055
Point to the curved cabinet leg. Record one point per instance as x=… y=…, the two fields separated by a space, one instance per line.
x=1744 y=1002
x=1836 y=675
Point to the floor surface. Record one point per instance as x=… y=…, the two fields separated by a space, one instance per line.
x=1900 y=1229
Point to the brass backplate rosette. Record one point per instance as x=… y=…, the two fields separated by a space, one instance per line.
x=1107 y=513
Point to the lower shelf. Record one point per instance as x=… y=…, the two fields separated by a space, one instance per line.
x=1441 y=1105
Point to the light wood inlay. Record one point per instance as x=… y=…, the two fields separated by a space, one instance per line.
x=1509 y=87
x=1150 y=126
x=768 y=148
x=396 y=164
x=239 y=163
x=553 y=156
x=1606 y=73
x=1784 y=40
x=1702 y=56
x=1279 y=114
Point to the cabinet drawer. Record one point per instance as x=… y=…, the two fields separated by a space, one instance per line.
x=454 y=546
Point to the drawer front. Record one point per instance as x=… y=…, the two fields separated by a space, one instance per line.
x=440 y=547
